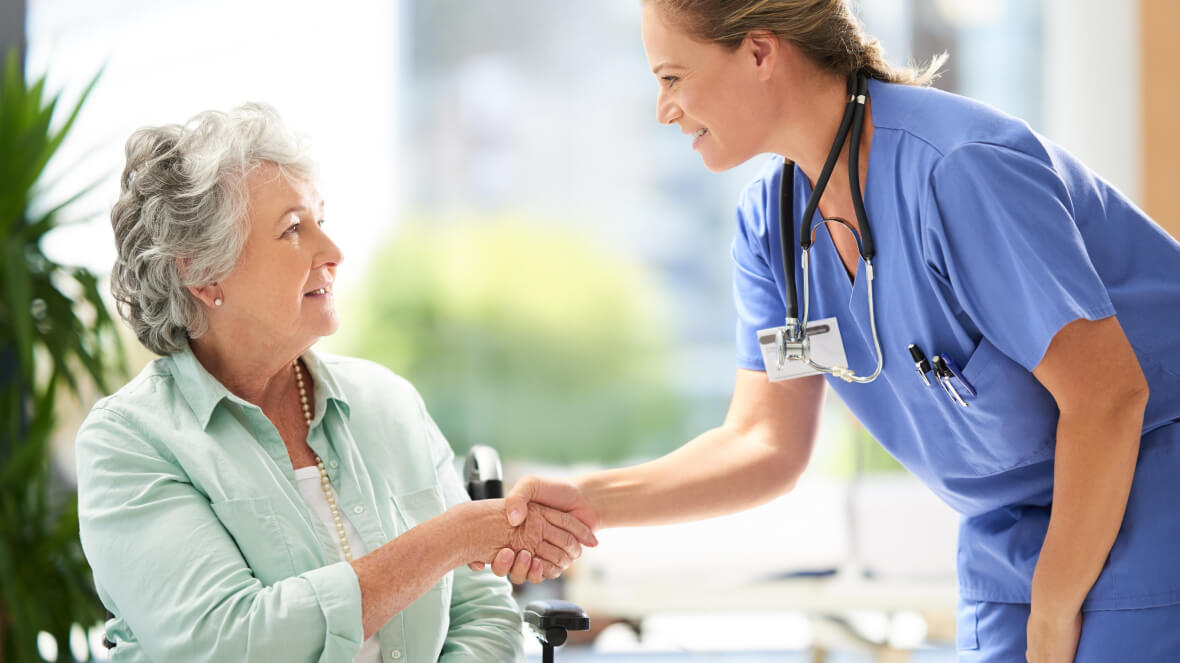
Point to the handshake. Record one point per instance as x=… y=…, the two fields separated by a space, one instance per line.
x=534 y=533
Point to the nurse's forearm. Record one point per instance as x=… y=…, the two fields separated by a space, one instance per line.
x=1097 y=448
x=756 y=455
x=719 y=472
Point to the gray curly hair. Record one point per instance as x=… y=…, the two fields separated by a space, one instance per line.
x=181 y=217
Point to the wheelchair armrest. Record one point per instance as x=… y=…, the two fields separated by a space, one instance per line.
x=550 y=619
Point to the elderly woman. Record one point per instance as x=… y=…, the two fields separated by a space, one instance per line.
x=246 y=499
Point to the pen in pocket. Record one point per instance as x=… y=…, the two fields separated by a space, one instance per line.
x=944 y=376
x=920 y=363
x=958 y=374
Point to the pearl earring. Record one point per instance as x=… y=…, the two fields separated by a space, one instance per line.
x=217 y=302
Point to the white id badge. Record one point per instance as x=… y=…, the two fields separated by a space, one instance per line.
x=826 y=349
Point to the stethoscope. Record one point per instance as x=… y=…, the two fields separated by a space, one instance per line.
x=794 y=342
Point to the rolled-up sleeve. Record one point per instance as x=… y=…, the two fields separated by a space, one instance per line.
x=173 y=575
x=485 y=620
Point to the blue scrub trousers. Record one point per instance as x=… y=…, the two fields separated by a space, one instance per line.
x=995 y=633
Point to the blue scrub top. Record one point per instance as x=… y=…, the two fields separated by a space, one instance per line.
x=989 y=240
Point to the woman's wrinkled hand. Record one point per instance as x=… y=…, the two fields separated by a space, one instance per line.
x=548 y=540
x=564 y=496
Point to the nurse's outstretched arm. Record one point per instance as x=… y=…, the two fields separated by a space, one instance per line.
x=755 y=455
x=1093 y=374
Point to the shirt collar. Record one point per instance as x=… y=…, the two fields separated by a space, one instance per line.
x=203 y=392
x=883 y=95
x=326 y=386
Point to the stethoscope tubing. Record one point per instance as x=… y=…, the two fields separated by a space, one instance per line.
x=805 y=236
x=867 y=248
x=851 y=126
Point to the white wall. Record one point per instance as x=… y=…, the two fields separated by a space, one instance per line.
x=332 y=71
x=1092 y=86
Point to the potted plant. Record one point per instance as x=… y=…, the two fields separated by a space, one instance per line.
x=54 y=330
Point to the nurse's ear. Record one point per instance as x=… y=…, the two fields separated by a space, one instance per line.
x=764 y=49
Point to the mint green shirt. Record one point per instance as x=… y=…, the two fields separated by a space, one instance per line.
x=204 y=549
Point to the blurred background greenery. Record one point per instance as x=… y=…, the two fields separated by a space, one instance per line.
x=541 y=343
x=544 y=344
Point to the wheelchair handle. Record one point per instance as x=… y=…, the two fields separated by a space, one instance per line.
x=550 y=620
x=483 y=473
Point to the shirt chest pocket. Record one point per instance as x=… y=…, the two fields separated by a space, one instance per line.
x=430 y=613
x=1010 y=423
x=417 y=507
x=259 y=536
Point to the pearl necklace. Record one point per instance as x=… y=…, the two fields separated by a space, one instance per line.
x=325 y=483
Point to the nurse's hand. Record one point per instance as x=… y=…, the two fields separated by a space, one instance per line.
x=562 y=495
x=1053 y=638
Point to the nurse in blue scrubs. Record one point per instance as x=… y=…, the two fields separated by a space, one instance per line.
x=1056 y=299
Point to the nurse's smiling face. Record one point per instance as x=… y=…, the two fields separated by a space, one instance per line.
x=716 y=96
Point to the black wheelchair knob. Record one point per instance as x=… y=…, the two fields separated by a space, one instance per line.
x=492 y=489
x=549 y=617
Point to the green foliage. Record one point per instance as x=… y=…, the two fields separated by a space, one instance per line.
x=522 y=338
x=53 y=325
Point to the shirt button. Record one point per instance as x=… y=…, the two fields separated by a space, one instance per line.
x=395 y=654
x=360 y=509
x=333 y=464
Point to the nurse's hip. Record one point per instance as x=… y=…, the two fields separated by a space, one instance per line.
x=996 y=633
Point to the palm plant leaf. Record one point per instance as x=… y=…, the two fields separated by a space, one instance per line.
x=17 y=301
x=50 y=219
x=53 y=313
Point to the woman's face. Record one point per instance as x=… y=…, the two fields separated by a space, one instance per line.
x=281 y=287
x=715 y=95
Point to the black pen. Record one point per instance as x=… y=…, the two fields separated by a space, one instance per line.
x=944 y=377
x=920 y=363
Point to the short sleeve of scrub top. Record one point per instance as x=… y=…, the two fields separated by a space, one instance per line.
x=756 y=291
x=1000 y=231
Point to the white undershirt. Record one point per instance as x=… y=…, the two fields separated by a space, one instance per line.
x=308 y=480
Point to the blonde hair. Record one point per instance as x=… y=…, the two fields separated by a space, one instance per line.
x=825 y=30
